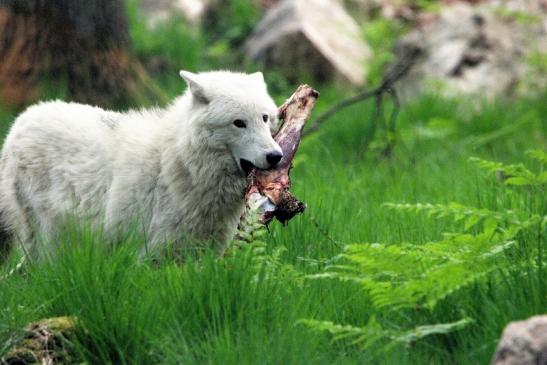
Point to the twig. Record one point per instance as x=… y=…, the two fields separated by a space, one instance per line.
x=395 y=74
x=324 y=232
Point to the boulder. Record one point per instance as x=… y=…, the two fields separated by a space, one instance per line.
x=478 y=50
x=412 y=11
x=311 y=37
x=523 y=343
x=526 y=6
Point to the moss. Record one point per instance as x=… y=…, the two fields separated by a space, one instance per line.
x=45 y=341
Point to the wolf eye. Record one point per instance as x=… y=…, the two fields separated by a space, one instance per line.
x=239 y=123
x=265 y=117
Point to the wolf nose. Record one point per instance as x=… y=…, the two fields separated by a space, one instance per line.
x=273 y=158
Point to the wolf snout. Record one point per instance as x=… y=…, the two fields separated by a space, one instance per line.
x=273 y=158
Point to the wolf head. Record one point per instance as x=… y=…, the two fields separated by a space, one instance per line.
x=238 y=114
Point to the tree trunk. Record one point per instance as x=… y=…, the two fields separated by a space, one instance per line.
x=85 y=44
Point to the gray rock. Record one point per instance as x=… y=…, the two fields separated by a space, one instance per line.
x=477 y=50
x=523 y=343
x=316 y=37
x=526 y=6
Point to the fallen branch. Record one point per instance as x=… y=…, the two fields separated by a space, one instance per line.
x=268 y=191
x=386 y=87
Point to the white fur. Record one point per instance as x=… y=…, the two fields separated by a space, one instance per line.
x=176 y=170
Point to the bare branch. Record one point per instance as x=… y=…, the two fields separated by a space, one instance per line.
x=395 y=74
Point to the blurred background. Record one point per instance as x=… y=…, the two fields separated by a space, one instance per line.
x=125 y=53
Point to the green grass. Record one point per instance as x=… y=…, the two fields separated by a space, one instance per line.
x=246 y=308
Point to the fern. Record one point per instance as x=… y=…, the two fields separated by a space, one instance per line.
x=373 y=333
x=267 y=265
x=516 y=174
x=508 y=222
x=410 y=276
x=539 y=155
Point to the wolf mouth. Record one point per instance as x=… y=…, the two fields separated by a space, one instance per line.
x=246 y=166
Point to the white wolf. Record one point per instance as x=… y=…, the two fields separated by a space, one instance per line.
x=180 y=171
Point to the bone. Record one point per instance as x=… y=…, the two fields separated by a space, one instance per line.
x=268 y=190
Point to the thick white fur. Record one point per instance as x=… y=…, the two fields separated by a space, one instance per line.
x=177 y=170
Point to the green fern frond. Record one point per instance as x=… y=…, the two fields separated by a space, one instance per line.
x=420 y=332
x=515 y=174
x=539 y=155
x=268 y=265
x=470 y=216
x=406 y=276
x=373 y=333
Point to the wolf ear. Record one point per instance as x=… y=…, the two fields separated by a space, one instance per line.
x=197 y=90
x=258 y=76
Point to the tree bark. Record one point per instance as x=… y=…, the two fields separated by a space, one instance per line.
x=84 y=44
x=268 y=190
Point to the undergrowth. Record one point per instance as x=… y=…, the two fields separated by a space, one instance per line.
x=408 y=276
